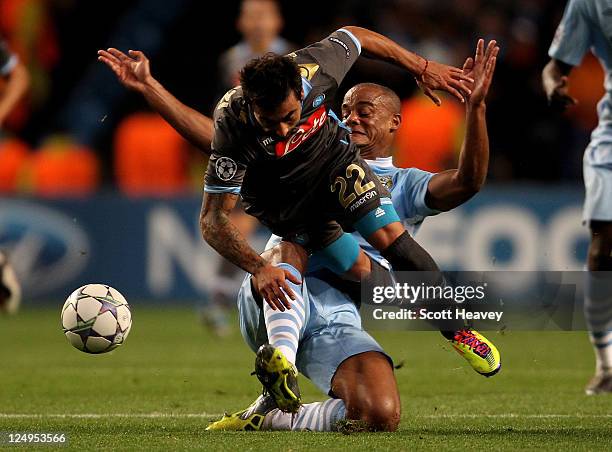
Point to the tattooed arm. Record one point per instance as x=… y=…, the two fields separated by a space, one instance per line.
x=223 y=236
x=220 y=233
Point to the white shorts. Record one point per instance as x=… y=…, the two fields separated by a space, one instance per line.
x=598 y=188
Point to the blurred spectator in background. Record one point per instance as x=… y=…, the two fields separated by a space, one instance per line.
x=259 y=22
x=10 y=289
x=15 y=84
x=30 y=33
x=526 y=142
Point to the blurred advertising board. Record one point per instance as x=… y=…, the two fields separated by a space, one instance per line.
x=151 y=249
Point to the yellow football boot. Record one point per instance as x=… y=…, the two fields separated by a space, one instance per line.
x=477 y=350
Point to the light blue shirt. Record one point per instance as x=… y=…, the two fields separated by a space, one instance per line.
x=587 y=24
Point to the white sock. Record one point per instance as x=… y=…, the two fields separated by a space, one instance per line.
x=285 y=328
x=602 y=343
x=598 y=315
x=315 y=417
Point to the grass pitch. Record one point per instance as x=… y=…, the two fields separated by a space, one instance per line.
x=160 y=389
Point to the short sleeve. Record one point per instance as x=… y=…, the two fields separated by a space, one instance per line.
x=412 y=184
x=334 y=55
x=226 y=170
x=572 y=38
x=224 y=174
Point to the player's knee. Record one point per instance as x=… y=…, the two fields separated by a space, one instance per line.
x=599 y=258
x=381 y=414
x=385 y=416
x=287 y=253
x=600 y=249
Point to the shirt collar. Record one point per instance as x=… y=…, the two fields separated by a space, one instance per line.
x=383 y=162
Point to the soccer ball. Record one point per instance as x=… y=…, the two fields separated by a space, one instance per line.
x=96 y=318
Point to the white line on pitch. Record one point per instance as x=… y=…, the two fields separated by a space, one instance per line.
x=515 y=416
x=212 y=415
x=106 y=415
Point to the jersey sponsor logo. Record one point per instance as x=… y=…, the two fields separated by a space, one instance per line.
x=346 y=49
x=369 y=195
x=305 y=131
x=226 y=168
x=318 y=100
x=267 y=141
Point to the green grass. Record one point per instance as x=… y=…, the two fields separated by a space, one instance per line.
x=159 y=391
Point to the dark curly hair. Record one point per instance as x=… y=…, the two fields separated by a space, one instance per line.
x=267 y=81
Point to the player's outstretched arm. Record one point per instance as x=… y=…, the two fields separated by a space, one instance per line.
x=449 y=189
x=430 y=75
x=17 y=83
x=220 y=233
x=556 y=84
x=134 y=73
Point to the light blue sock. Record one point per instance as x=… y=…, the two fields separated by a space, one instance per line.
x=285 y=329
x=598 y=315
x=314 y=417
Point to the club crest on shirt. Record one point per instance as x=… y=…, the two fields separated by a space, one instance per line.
x=387 y=181
x=226 y=168
x=318 y=100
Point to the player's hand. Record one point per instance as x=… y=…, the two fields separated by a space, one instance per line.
x=557 y=92
x=132 y=71
x=439 y=76
x=270 y=282
x=481 y=69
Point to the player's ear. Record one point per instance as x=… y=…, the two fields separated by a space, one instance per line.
x=396 y=122
x=302 y=94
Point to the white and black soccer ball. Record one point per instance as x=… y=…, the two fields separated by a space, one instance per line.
x=96 y=318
